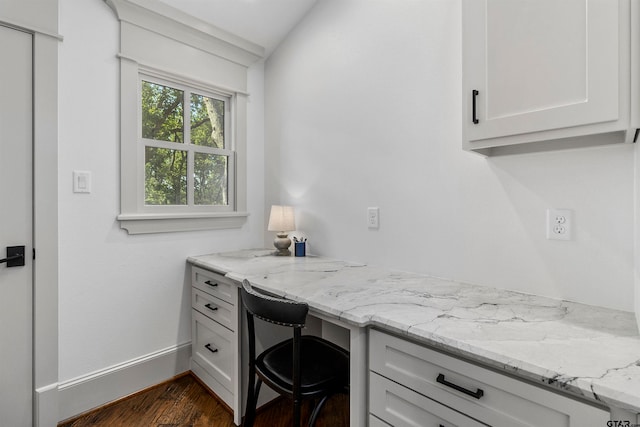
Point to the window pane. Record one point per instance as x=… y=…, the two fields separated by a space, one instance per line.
x=162 y=112
x=207 y=121
x=210 y=179
x=165 y=176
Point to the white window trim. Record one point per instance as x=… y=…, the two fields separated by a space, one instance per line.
x=137 y=218
x=134 y=217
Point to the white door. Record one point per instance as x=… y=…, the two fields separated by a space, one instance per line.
x=536 y=65
x=16 y=224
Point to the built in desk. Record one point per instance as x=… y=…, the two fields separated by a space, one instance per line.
x=491 y=344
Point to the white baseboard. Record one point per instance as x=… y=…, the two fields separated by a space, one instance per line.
x=46 y=406
x=98 y=388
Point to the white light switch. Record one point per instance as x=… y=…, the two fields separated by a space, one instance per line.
x=81 y=182
x=373 y=217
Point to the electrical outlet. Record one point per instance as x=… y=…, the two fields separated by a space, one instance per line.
x=373 y=217
x=559 y=224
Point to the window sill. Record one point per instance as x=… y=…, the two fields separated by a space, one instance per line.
x=167 y=223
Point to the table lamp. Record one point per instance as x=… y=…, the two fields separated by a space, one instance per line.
x=282 y=220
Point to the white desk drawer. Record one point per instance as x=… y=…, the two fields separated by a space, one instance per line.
x=215 y=308
x=505 y=401
x=215 y=284
x=402 y=407
x=212 y=348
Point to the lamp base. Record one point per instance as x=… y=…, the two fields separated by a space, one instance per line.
x=282 y=243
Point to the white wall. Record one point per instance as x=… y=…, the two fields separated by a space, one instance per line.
x=363 y=109
x=122 y=297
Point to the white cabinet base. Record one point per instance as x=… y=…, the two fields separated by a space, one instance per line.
x=481 y=394
x=218 y=389
x=215 y=336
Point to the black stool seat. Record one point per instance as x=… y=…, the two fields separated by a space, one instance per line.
x=316 y=375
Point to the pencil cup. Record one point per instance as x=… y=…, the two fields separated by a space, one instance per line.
x=300 y=248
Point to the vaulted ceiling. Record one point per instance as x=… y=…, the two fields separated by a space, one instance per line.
x=263 y=22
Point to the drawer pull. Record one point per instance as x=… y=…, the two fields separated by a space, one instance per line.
x=474 y=118
x=476 y=394
x=210 y=283
x=210 y=307
x=212 y=350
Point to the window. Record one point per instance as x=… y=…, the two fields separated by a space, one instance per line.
x=183 y=121
x=188 y=146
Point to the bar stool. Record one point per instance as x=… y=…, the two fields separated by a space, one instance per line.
x=302 y=367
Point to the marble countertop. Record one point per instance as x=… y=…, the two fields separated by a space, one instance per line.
x=589 y=351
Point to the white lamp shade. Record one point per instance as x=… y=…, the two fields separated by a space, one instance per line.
x=282 y=218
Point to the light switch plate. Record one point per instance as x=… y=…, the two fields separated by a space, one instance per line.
x=81 y=182
x=373 y=218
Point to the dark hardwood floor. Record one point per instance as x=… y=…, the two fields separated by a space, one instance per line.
x=184 y=402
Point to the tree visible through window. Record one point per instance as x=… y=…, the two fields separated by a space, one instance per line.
x=174 y=151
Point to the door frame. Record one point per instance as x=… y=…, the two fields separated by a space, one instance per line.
x=44 y=27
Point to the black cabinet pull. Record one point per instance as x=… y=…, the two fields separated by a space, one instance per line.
x=210 y=283
x=476 y=394
x=474 y=95
x=210 y=307
x=212 y=350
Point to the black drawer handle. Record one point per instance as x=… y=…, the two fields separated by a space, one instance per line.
x=212 y=350
x=474 y=94
x=477 y=394
x=210 y=283
x=210 y=307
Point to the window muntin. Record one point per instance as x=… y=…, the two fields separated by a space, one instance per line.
x=185 y=167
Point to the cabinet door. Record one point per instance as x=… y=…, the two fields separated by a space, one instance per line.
x=538 y=65
x=213 y=348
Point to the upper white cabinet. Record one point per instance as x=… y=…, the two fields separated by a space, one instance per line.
x=546 y=70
